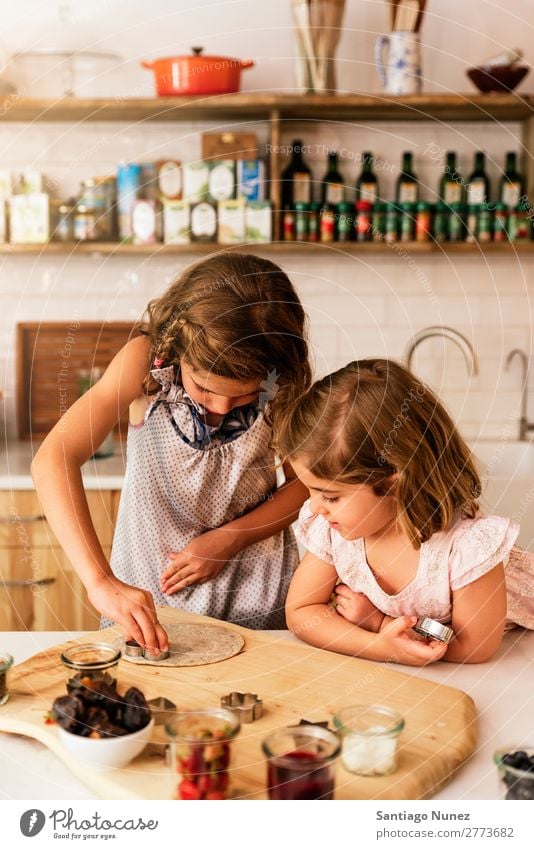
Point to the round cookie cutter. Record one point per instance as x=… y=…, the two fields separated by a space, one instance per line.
x=434 y=630
x=133 y=649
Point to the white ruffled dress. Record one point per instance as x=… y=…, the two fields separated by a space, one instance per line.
x=448 y=561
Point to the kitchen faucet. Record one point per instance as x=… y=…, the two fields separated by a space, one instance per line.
x=524 y=425
x=448 y=333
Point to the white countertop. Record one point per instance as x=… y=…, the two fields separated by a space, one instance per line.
x=502 y=690
x=98 y=473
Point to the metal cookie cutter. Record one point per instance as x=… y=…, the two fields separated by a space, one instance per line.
x=133 y=649
x=162 y=709
x=427 y=627
x=247 y=706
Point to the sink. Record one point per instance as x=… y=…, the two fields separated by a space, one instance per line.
x=508 y=475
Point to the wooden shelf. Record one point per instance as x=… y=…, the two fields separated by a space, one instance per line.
x=262 y=106
x=352 y=248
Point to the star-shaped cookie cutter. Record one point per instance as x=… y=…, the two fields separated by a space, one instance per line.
x=247 y=706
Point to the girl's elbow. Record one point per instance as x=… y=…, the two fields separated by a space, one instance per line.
x=298 y=619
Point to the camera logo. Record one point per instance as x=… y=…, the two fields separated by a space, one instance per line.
x=32 y=822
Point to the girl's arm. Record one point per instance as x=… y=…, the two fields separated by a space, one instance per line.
x=270 y=518
x=312 y=619
x=478 y=618
x=56 y=471
x=206 y=556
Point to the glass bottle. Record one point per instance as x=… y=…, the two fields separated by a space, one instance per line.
x=296 y=179
x=332 y=184
x=451 y=183
x=367 y=182
x=512 y=188
x=407 y=185
x=478 y=184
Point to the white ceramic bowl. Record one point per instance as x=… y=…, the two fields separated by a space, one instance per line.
x=110 y=753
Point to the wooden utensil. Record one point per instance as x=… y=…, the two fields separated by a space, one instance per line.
x=393 y=4
x=407 y=14
x=422 y=5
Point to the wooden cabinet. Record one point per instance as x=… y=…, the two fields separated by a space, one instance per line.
x=39 y=588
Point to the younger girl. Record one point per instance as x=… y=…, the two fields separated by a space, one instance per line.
x=201 y=524
x=394 y=515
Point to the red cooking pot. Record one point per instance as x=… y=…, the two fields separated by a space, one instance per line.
x=197 y=74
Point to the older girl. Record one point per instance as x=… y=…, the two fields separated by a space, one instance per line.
x=202 y=525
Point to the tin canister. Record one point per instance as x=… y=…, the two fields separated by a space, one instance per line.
x=128 y=188
x=441 y=222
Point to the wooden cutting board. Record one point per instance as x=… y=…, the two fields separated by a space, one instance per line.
x=49 y=356
x=294 y=681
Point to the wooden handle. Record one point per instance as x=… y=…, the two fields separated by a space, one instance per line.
x=12 y=520
x=34 y=582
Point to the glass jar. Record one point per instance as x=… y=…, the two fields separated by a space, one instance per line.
x=362 y=228
x=441 y=222
x=345 y=222
x=500 y=223
x=392 y=222
x=85 y=226
x=369 y=736
x=472 y=222
x=288 y=225
x=314 y=223
x=98 y=194
x=200 y=752
x=328 y=224
x=407 y=222
x=457 y=222
x=300 y=762
x=89 y=663
x=301 y=221
x=520 y=223
x=516 y=773
x=63 y=224
x=485 y=222
x=422 y=222
x=379 y=222
x=6 y=662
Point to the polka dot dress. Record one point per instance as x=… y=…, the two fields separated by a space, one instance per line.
x=174 y=492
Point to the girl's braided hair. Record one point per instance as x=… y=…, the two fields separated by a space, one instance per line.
x=235 y=316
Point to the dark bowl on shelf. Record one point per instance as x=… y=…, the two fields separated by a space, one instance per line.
x=501 y=79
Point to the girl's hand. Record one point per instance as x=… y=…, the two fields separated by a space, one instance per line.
x=356 y=608
x=133 y=608
x=202 y=560
x=398 y=645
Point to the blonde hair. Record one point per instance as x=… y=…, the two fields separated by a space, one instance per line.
x=373 y=419
x=235 y=316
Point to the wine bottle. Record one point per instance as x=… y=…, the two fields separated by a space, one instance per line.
x=478 y=185
x=296 y=179
x=367 y=182
x=451 y=183
x=407 y=185
x=512 y=187
x=332 y=185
